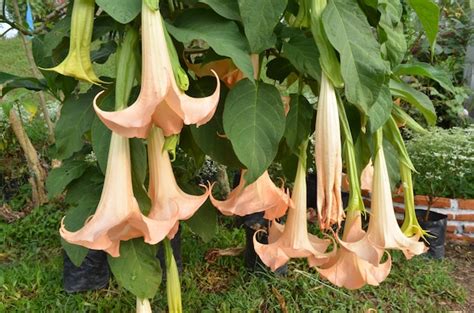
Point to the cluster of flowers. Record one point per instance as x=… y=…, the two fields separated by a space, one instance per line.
x=162 y=109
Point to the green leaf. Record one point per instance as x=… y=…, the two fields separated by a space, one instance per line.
x=102 y=54
x=29 y=83
x=59 y=178
x=222 y=35
x=402 y=117
x=426 y=70
x=204 y=221
x=100 y=138
x=380 y=112
x=392 y=134
x=302 y=52
x=259 y=19
x=77 y=115
x=209 y=137
x=279 y=69
x=298 y=122
x=5 y=77
x=137 y=268
x=393 y=165
x=362 y=66
x=225 y=8
x=391 y=33
x=416 y=98
x=254 y=121
x=83 y=195
x=428 y=13
x=122 y=11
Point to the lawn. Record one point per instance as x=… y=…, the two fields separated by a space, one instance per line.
x=31 y=279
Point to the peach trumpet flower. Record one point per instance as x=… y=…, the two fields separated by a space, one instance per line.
x=169 y=202
x=383 y=228
x=292 y=240
x=118 y=216
x=78 y=63
x=161 y=100
x=347 y=268
x=261 y=195
x=328 y=157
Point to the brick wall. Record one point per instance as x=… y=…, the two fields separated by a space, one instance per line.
x=460 y=214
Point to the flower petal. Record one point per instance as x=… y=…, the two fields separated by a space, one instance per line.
x=167 y=119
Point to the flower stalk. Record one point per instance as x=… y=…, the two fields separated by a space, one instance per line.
x=173 y=286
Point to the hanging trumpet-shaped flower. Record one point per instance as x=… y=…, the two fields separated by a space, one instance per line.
x=328 y=157
x=162 y=99
x=169 y=202
x=350 y=267
x=292 y=239
x=118 y=216
x=78 y=61
x=173 y=286
x=383 y=228
x=261 y=195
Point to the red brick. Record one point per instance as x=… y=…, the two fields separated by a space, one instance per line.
x=455 y=237
x=367 y=203
x=466 y=204
x=399 y=209
x=451 y=228
x=437 y=202
x=468 y=228
x=464 y=217
x=398 y=199
x=365 y=193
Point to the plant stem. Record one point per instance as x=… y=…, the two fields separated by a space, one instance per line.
x=173 y=287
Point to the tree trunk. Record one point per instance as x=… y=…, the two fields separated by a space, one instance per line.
x=36 y=74
x=37 y=173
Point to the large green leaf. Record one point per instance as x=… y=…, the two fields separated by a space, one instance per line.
x=279 y=69
x=83 y=195
x=5 y=77
x=209 y=137
x=221 y=34
x=122 y=11
x=137 y=268
x=428 y=13
x=254 y=121
x=416 y=98
x=59 y=178
x=77 y=115
x=303 y=54
x=204 y=221
x=298 y=122
x=391 y=33
x=426 y=70
x=226 y=8
x=29 y=83
x=380 y=112
x=362 y=66
x=259 y=19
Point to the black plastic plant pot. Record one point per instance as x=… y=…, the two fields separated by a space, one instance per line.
x=435 y=225
x=92 y=274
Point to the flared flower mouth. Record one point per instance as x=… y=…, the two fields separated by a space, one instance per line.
x=383 y=228
x=78 y=63
x=292 y=239
x=161 y=101
x=328 y=158
x=118 y=216
x=357 y=261
x=169 y=202
x=260 y=196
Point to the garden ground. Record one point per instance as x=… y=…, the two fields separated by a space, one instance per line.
x=31 y=279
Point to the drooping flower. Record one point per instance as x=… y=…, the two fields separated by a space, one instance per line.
x=383 y=228
x=117 y=216
x=260 y=196
x=161 y=99
x=292 y=240
x=169 y=202
x=78 y=61
x=328 y=157
x=350 y=267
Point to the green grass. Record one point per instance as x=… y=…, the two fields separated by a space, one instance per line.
x=13 y=59
x=31 y=280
